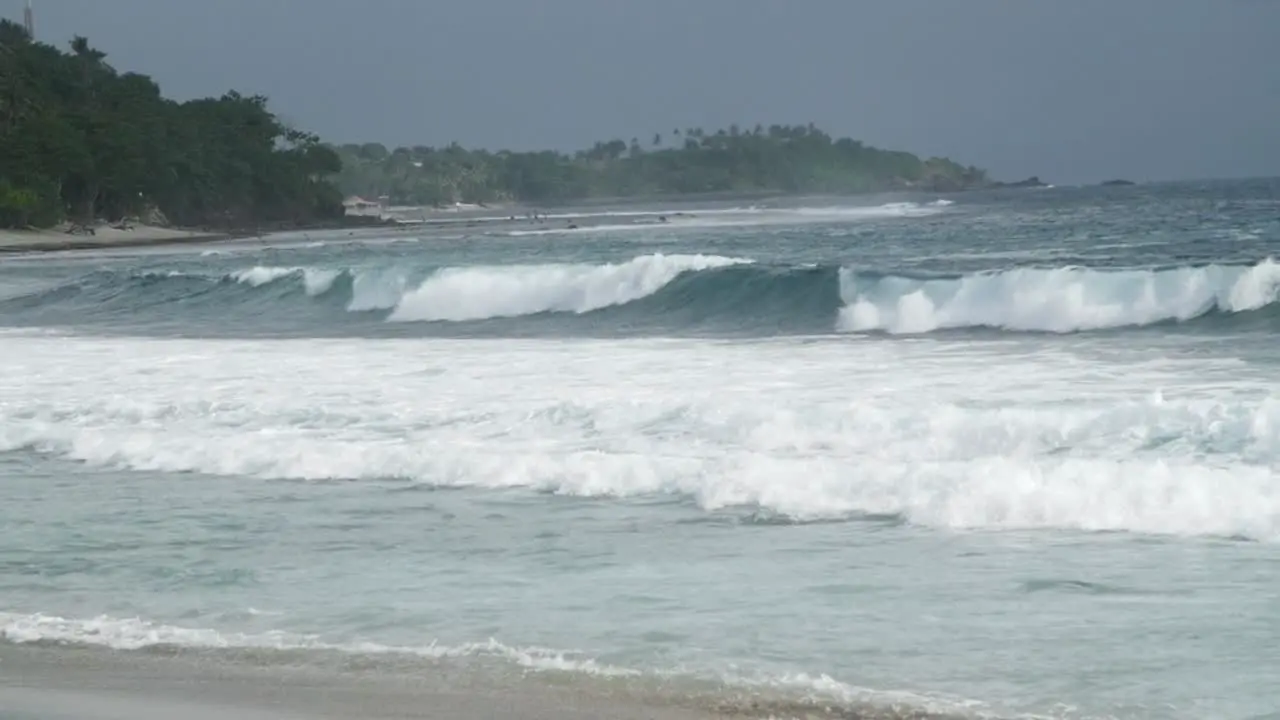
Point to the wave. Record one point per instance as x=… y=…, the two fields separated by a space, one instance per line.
x=316 y=282
x=1056 y=300
x=721 y=690
x=698 y=289
x=1190 y=468
x=479 y=293
x=139 y=634
x=657 y=293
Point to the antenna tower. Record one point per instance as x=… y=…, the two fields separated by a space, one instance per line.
x=29 y=21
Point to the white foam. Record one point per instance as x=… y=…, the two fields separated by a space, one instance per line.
x=136 y=634
x=473 y=293
x=950 y=437
x=825 y=689
x=259 y=275
x=371 y=289
x=888 y=210
x=1054 y=300
x=316 y=281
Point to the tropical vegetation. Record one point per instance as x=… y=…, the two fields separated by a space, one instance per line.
x=81 y=141
x=780 y=158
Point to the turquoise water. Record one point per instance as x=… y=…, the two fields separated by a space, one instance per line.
x=1010 y=454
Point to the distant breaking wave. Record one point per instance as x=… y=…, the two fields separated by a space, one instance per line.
x=678 y=293
x=752 y=216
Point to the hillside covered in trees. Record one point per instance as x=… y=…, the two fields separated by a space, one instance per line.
x=81 y=141
x=784 y=159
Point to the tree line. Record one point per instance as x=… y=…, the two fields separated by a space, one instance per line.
x=780 y=158
x=81 y=141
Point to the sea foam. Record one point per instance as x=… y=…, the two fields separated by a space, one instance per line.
x=965 y=439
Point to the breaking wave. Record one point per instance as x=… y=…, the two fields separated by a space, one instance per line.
x=752 y=216
x=487 y=292
x=1054 y=300
x=676 y=293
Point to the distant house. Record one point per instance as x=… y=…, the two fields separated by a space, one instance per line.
x=356 y=205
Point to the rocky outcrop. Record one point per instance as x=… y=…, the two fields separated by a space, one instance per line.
x=1031 y=182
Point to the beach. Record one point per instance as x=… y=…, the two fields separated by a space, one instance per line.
x=397 y=221
x=62 y=683
x=106 y=236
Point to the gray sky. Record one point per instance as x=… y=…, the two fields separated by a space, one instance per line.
x=1071 y=90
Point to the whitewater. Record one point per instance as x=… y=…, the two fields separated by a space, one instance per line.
x=993 y=455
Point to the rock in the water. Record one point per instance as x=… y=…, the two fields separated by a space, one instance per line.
x=1031 y=182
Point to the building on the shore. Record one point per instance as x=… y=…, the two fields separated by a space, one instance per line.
x=29 y=20
x=356 y=205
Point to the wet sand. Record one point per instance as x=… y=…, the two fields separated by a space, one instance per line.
x=21 y=241
x=61 y=683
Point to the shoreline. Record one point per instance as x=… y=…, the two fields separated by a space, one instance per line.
x=53 y=682
x=106 y=237
x=395 y=220
x=42 y=241
x=62 y=681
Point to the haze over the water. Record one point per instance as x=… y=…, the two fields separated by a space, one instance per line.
x=1073 y=92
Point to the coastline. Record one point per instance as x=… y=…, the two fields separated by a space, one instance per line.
x=36 y=241
x=51 y=682
x=57 y=681
x=394 y=220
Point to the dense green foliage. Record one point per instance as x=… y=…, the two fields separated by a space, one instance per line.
x=787 y=159
x=80 y=141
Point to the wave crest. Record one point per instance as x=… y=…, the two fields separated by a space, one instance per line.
x=672 y=294
x=315 y=281
x=477 y=293
x=1058 y=300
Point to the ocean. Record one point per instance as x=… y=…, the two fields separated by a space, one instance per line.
x=1008 y=454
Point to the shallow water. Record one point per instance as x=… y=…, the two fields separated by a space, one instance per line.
x=1015 y=454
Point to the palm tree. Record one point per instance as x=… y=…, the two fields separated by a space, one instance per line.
x=92 y=58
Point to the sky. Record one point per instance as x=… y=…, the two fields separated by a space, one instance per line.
x=1070 y=90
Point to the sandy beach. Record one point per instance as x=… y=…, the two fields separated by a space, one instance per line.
x=20 y=241
x=65 y=683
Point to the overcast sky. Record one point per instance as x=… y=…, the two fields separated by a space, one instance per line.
x=1071 y=90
